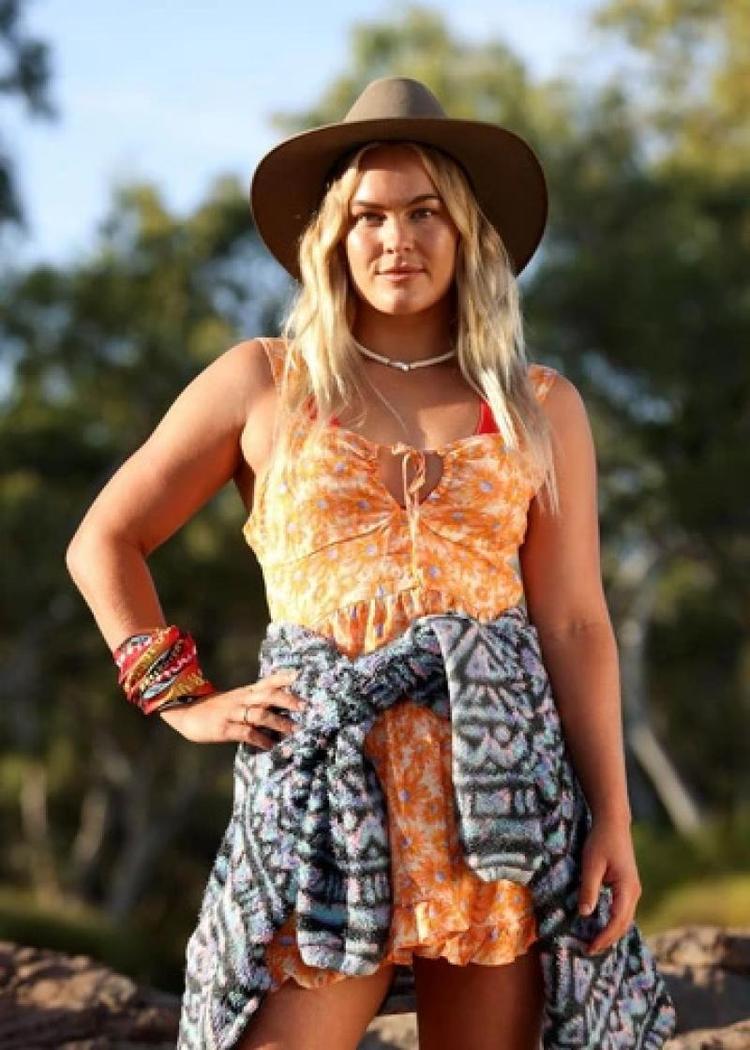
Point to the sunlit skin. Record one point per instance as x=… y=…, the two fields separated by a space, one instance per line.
x=398 y=222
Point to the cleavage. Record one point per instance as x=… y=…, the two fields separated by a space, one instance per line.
x=424 y=472
x=409 y=484
x=413 y=482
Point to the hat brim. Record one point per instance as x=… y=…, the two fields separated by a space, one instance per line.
x=505 y=174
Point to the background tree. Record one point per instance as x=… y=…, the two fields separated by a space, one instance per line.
x=693 y=95
x=26 y=75
x=97 y=353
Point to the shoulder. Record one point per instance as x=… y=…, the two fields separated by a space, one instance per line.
x=246 y=371
x=265 y=354
x=570 y=429
x=558 y=393
x=251 y=358
x=565 y=410
x=542 y=378
x=232 y=389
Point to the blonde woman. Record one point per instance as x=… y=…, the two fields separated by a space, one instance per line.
x=397 y=455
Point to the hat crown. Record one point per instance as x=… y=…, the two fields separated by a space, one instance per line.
x=395 y=97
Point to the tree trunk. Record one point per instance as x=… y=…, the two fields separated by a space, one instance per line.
x=637 y=584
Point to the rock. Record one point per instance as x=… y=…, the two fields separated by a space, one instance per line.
x=71 y=1002
x=707 y=969
x=735 y=1037
x=391 y=1033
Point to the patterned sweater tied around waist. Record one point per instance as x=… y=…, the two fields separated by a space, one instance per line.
x=309 y=831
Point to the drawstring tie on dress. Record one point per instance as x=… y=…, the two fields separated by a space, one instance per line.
x=410 y=490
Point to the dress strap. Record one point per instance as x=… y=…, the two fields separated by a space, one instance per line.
x=542 y=377
x=275 y=359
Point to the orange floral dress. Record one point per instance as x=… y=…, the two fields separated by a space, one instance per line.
x=340 y=555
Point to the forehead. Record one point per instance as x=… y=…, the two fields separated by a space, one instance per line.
x=392 y=171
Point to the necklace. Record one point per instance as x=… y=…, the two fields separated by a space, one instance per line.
x=405 y=366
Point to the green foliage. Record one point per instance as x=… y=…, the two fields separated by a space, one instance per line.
x=694 y=83
x=95 y=354
x=25 y=76
x=702 y=878
x=76 y=930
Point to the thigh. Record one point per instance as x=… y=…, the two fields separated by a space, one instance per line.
x=480 y=1007
x=333 y=1017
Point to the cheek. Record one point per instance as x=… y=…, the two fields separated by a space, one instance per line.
x=356 y=249
x=445 y=246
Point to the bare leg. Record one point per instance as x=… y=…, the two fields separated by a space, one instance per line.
x=480 y=1007
x=334 y=1017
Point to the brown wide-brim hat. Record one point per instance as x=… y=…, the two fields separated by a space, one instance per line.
x=505 y=174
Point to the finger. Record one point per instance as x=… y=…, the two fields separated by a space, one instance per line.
x=619 y=923
x=280 y=697
x=268 y=718
x=587 y=898
x=282 y=677
x=588 y=893
x=255 y=737
x=606 y=938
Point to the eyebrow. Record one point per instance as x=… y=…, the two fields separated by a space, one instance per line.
x=414 y=200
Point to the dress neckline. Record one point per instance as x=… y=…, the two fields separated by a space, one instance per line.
x=486 y=424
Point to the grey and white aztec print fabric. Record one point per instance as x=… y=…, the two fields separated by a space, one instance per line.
x=309 y=831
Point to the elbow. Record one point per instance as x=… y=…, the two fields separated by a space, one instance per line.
x=585 y=631
x=78 y=555
x=85 y=552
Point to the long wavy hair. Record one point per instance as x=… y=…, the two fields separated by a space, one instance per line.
x=322 y=366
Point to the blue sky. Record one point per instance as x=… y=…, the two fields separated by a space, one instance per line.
x=178 y=91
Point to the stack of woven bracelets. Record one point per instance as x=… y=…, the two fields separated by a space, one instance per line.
x=159 y=670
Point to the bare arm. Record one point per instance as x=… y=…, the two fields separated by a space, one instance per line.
x=193 y=452
x=560 y=562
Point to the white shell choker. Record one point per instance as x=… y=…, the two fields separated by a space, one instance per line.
x=405 y=366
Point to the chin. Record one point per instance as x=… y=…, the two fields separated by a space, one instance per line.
x=399 y=305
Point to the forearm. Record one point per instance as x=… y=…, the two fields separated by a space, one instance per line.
x=116 y=584
x=583 y=667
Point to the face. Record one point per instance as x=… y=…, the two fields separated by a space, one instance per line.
x=400 y=242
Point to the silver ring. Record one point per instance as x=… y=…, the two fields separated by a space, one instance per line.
x=244 y=716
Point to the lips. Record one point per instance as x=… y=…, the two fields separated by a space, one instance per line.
x=399 y=276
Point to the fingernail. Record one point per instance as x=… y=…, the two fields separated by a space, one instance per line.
x=587 y=908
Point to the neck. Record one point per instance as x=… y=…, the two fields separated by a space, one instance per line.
x=412 y=337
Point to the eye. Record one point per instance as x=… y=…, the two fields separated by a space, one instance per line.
x=366 y=215
x=423 y=211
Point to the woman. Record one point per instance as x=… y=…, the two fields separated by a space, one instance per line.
x=377 y=494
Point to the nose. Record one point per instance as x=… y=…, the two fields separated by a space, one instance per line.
x=397 y=234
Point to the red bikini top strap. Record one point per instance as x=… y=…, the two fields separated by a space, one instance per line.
x=487 y=424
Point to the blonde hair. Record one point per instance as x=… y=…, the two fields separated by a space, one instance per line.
x=322 y=364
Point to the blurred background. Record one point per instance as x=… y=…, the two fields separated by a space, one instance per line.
x=128 y=135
